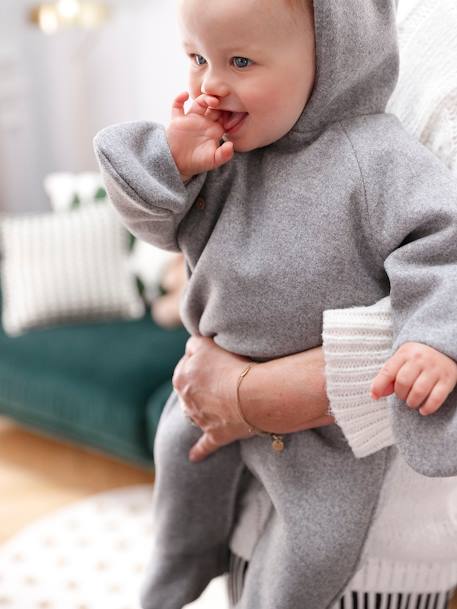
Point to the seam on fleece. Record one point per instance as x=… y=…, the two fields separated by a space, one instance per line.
x=373 y=233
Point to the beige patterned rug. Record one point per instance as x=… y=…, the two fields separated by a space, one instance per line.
x=90 y=555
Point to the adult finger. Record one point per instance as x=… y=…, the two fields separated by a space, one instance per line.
x=387 y=375
x=203 y=448
x=195 y=343
x=177 y=379
x=186 y=412
x=191 y=345
x=177 y=109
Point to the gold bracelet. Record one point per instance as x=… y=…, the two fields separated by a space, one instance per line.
x=277 y=440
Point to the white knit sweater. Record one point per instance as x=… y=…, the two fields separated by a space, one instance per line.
x=425 y=99
x=412 y=544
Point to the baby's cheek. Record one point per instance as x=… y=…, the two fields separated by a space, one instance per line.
x=277 y=100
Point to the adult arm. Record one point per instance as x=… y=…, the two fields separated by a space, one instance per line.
x=143 y=181
x=356 y=343
x=292 y=393
x=288 y=394
x=280 y=396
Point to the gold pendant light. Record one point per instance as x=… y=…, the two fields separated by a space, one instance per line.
x=53 y=16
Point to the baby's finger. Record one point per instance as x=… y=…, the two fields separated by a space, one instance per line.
x=388 y=390
x=223 y=154
x=201 y=104
x=177 y=109
x=212 y=114
x=386 y=375
x=436 y=398
x=405 y=379
x=421 y=388
x=203 y=449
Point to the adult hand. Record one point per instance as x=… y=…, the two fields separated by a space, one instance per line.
x=280 y=396
x=205 y=380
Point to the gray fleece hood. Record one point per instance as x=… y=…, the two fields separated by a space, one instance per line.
x=357 y=61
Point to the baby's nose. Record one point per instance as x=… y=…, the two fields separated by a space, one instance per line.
x=214 y=87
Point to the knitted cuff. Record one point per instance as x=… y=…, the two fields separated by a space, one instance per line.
x=357 y=342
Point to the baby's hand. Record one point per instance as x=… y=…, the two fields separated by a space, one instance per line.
x=194 y=137
x=419 y=375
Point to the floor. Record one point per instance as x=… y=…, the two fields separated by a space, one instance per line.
x=39 y=475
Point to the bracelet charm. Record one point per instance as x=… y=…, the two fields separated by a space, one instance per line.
x=277 y=440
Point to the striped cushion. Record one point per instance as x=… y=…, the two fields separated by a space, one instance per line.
x=65 y=267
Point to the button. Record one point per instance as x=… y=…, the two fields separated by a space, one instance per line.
x=201 y=204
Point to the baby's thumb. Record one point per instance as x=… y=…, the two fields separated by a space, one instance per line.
x=223 y=154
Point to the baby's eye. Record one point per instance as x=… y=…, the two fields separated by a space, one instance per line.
x=199 y=59
x=241 y=62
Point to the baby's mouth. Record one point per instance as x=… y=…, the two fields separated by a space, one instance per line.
x=230 y=120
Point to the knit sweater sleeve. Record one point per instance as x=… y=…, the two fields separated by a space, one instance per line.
x=143 y=181
x=356 y=343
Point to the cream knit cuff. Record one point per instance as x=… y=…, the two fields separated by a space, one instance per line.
x=357 y=341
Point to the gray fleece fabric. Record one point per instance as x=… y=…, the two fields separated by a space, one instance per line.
x=343 y=210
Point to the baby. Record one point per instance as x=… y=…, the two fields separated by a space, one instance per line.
x=290 y=191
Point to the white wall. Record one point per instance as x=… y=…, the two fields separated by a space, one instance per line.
x=18 y=163
x=62 y=89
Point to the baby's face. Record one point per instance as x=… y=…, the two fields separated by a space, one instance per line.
x=257 y=57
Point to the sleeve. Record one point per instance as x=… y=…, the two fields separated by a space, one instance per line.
x=412 y=205
x=356 y=342
x=143 y=182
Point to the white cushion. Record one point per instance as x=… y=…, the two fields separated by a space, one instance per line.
x=425 y=99
x=62 y=189
x=149 y=263
x=66 y=267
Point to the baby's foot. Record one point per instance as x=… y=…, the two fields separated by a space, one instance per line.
x=174 y=581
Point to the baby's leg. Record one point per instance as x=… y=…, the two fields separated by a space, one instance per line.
x=323 y=501
x=193 y=509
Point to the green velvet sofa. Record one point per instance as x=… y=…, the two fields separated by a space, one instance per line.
x=101 y=385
